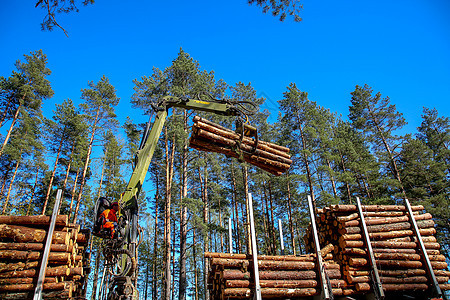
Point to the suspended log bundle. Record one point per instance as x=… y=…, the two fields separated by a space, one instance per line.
x=395 y=247
x=22 y=244
x=211 y=137
x=231 y=275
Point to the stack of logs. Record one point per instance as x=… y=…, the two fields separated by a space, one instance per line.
x=22 y=243
x=281 y=277
x=211 y=137
x=396 y=251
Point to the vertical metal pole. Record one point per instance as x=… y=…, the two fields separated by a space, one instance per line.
x=48 y=243
x=230 y=235
x=254 y=249
x=102 y=282
x=429 y=268
x=280 y=228
x=326 y=292
x=377 y=287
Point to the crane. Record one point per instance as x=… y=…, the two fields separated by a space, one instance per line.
x=120 y=253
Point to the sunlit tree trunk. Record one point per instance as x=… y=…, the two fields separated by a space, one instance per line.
x=10 y=187
x=50 y=184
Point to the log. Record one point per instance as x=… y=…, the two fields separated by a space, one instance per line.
x=61 y=220
x=376 y=236
x=12 y=281
x=386 y=220
x=261 y=162
x=263 y=264
x=51 y=272
x=357 y=279
x=34 y=247
x=387 y=227
x=55 y=257
x=327 y=249
x=203 y=146
x=17 y=266
x=405 y=287
x=31 y=287
x=202 y=130
x=233 y=135
x=306 y=257
x=230 y=274
x=269 y=292
x=414 y=279
x=373 y=208
x=363 y=287
x=272 y=283
x=411 y=264
x=23 y=234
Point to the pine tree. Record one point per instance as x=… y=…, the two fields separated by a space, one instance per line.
x=378 y=119
x=100 y=100
x=25 y=90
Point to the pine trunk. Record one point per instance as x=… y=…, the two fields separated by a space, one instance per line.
x=291 y=225
x=73 y=193
x=50 y=184
x=86 y=165
x=10 y=187
x=183 y=216
x=167 y=218
x=8 y=135
x=33 y=191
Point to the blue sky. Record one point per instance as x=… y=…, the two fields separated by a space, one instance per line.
x=400 y=48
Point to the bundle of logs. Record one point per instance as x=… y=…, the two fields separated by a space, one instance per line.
x=231 y=276
x=22 y=243
x=211 y=137
x=395 y=247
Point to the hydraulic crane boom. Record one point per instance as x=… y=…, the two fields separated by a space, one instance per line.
x=123 y=286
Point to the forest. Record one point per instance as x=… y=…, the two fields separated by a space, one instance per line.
x=190 y=195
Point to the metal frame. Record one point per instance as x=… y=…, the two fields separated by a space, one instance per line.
x=254 y=249
x=48 y=243
x=436 y=290
x=326 y=292
x=377 y=286
x=280 y=228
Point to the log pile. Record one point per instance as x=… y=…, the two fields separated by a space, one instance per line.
x=211 y=137
x=231 y=275
x=22 y=243
x=395 y=248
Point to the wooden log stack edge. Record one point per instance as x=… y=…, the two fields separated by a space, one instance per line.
x=395 y=248
x=22 y=243
x=211 y=137
x=281 y=277
x=401 y=267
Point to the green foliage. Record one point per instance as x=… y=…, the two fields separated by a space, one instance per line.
x=55 y=7
x=280 y=8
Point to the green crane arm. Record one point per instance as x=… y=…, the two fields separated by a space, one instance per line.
x=145 y=154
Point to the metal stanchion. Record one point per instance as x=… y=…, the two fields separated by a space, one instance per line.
x=48 y=243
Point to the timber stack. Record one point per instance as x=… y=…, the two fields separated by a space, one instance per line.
x=281 y=277
x=395 y=247
x=211 y=137
x=22 y=243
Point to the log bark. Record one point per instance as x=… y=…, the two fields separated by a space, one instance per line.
x=35 y=247
x=30 y=287
x=387 y=227
x=386 y=220
x=373 y=208
x=54 y=257
x=11 y=281
x=61 y=220
x=51 y=272
x=23 y=234
x=269 y=292
x=272 y=283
